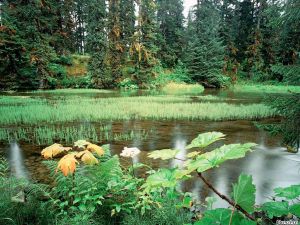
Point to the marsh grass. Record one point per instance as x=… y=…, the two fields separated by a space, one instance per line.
x=182 y=88
x=73 y=91
x=126 y=108
x=68 y=135
x=262 y=88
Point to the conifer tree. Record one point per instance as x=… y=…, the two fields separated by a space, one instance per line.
x=127 y=23
x=97 y=43
x=115 y=46
x=143 y=49
x=34 y=27
x=170 y=21
x=205 y=51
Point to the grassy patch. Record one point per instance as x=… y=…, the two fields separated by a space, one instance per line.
x=68 y=134
x=182 y=88
x=266 y=88
x=73 y=91
x=125 y=108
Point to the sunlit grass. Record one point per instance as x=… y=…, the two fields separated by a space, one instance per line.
x=266 y=88
x=126 y=108
x=73 y=91
x=181 y=88
x=68 y=135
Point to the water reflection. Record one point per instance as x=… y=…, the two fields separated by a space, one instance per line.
x=270 y=165
x=16 y=161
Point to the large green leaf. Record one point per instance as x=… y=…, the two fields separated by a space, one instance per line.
x=205 y=139
x=220 y=216
x=161 y=178
x=244 y=193
x=295 y=209
x=216 y=157
x=290 y=193
x=163 y=154
x=247 y=222
x=276 y=209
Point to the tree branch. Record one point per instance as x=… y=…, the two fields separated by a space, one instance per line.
x=224 y=197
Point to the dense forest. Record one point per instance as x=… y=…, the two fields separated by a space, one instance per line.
x=130 y=42
x=149 y=112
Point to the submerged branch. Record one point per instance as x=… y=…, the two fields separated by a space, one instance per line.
x=224 y=197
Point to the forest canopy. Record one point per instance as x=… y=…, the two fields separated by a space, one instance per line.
x=130 y=42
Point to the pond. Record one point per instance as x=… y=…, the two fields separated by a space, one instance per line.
x=270 y=165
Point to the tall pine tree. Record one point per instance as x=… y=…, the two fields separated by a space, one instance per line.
x=171 y=30
x=205 y=51
x=97 y=43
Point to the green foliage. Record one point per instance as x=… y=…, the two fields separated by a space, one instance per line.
x=205 y=51
x=205 y=139
x=223 y=216
x=128 y=84
x=107 y=193
x=289 y=108
x=13 y=207
x=71 y=108
x=276 y=209
x=163 y=154
x=216 y=157
x=244 y=193
x=289 y=193
x=163 y=178
x=287 y=73
x=171 y=31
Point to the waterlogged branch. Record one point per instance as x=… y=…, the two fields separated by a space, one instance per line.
x=224 y=197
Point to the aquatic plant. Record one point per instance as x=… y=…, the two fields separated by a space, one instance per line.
x=263 y=88
x=182 y=88
x=68 y=134
x=126 y=108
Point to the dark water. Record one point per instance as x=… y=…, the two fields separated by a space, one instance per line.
x=270 y=165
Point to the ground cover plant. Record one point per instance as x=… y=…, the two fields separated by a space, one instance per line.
x=125 y=108
x=122 y=197
x=266 y=88
x=43 y=135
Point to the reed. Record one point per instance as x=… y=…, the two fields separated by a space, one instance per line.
x=182 y=88
x=72 y=91
x=261 y=88
x=126 y=108
x=68 y=135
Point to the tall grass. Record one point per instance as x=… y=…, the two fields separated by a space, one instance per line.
x=73 y=91
x=182 y=88
x=68 y=135
x=126 y=108
x=266 y=88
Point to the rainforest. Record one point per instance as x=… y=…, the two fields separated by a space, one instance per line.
x=149 y=112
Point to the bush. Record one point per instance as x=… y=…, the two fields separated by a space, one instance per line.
x=127 y=83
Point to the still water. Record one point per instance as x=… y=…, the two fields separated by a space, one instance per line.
x=270 y=165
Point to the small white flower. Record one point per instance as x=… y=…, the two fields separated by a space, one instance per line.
x=130 y=152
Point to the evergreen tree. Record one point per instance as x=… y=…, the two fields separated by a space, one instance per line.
x=205 y=52
x=66 y=40
x=170 y=20
x=246 y=27
x=127 y=23
x=80 y=16
x=115 y=49
x=143 y=49
x=228 y=33
x=34 y=26
x=97 y=42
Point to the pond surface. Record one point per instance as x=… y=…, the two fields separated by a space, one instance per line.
x=270 y=165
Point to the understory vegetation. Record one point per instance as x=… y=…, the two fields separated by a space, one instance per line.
x=38 y=111
x=78 y=196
